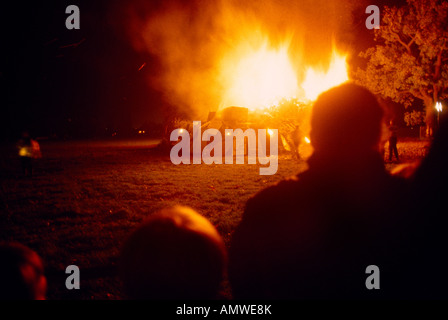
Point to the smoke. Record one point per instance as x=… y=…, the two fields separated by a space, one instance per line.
x=191 y=39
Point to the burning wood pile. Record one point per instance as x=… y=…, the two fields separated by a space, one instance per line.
x=234 y=61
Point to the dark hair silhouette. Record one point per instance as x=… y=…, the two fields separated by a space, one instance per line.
x=175 y=254
x=346 y=120
x=21 y=273
x=314 y=235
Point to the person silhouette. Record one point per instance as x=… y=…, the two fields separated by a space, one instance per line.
x=314 y=235
x=393 y=139
x=22 y=273
x=296 y=137
x=175 y=254
x=427 y=262
x=25 y=149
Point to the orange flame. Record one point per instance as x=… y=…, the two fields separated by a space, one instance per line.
x=260 y=77
x=318 y=81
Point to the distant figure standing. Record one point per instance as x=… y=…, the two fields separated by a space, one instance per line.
x=26 y=154
x=297 y=137
x=393 y=140
x=28 y=149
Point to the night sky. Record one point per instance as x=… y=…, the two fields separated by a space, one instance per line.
x=51 y=87
x=56 y=81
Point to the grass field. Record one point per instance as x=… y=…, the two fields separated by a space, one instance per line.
x=86 y=197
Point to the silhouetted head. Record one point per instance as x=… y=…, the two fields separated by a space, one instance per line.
x=21 y=273
x=175 y=254
x=346 y=121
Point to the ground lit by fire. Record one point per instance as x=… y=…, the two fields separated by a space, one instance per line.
x=86 y=193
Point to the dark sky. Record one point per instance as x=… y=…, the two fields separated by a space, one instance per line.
x=49 y=87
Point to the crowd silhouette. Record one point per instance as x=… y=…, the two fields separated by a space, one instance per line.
x=308 y=237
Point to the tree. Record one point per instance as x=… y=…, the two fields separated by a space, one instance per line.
x=410 y=60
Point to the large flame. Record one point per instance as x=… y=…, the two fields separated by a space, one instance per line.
x=260 y=77
x=215 y=54
x=318 y=81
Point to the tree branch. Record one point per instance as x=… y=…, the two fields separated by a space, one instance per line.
x=425 y=95
x=408 y=48
x=438 y=66
x=411 y=42
x=416 y=94
x=435 y=92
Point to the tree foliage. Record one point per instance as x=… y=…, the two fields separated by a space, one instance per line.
x=410 y=60
x=414 y=118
